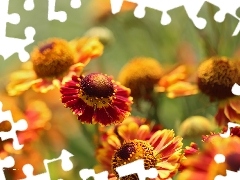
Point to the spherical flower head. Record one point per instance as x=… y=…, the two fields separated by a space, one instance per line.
x=195 y=126
x=140 y=75
x=131 y=151
x=52 y=59
x=216 y=76
x=97 y=98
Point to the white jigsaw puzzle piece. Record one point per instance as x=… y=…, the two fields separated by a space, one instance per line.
x=160 y=5
x=75 y=4
x=87 y=173
x=53 y=15
x=226 y=7
x=60 y=15
x=20 y=125
x=28 y=171
x=66 y=164
x=10 y=45
x=227 y=133
x=236 y=89
x=230 y=175
x=7 y=162
x=137 y=167
x=192 y=8
x=29 y=5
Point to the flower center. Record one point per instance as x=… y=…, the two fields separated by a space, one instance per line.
x=52 y=59
x=140 y=75
x=126 y=151
x=216 y=77
x=131 y=151
x=97 y=85
x=233 y=161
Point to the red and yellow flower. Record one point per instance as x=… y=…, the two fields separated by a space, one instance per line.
x=37 y=115
x=97 y=98
x=162 y=150
x=204 y=165
x=52 y=63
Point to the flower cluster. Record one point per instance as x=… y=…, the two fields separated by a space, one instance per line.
x=113 y=112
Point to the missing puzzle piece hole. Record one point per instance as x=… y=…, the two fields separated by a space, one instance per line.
x=75 y=4
x=219 y=16
x=139 y=11
x=27 y=169
x=29 y=33
x=14 y=18
x=28 y=5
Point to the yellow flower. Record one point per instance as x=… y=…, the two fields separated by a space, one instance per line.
x=162 y=150
x=53 y=63
x=140 y=75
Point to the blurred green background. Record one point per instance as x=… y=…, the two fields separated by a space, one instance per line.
x=132 y=38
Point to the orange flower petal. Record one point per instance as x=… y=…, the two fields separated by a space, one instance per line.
x=231 y=114
x=235 y=105
x=86 y=49
x=143 y=132
x=128 y=132
x=44 y=86
x=180 y=89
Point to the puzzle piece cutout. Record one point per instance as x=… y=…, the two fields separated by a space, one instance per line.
x=230 y=175
x=226 y=7
x=220 y=158
x=137 y=167
x=66 y=164
x=236 y=89
x=7 y=162
x=192 y=8
x=227 y=133
x=28 y=5
x=20 y=125
x=87 y=173
x=60 y=15
x=9 y=45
